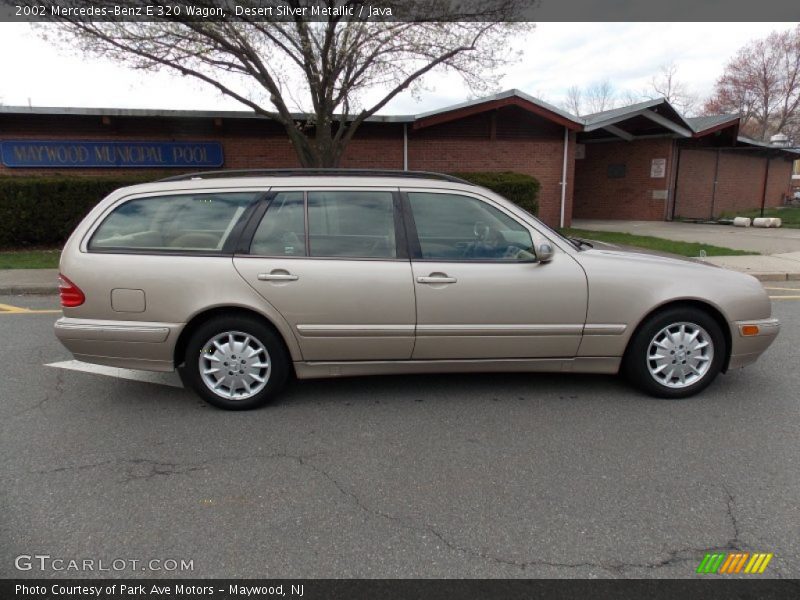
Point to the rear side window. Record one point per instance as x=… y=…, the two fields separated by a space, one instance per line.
x=328 y=224
x=351 y=224
x=282 y=231
x=192 y=222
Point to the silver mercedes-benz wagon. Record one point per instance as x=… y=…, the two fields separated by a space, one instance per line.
x=243 y=280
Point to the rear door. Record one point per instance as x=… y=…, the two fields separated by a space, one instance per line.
x=481 y=293
x=334 y=263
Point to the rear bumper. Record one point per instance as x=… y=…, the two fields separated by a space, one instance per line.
x=127 y=344
x=745 y=349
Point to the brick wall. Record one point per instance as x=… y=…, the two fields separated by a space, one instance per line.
x=598 y=196
x=516 y=142
x=247 y=143
x=780 y=181
x=740 y=182
x=510 y=140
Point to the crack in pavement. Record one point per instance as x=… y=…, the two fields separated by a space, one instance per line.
x=58 y=390
x=684 y=554
x=147 y=469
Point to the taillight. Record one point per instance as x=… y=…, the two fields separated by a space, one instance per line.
x=71 y=294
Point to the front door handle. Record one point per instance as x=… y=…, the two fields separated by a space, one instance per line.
x=278 y=276
x=437 y=278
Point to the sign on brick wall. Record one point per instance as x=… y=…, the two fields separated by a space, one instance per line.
x=658 y=168
x=80 y=154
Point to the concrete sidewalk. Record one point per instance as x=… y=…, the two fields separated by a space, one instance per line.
x=751 y=239
x=776 y=267
x=28 y=281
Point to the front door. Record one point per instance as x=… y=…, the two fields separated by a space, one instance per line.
x=329 y=262
x=480 y=292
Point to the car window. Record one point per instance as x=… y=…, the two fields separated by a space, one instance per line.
x=282 y=231
x=351 y=224
x=192 y=222
x=452 y=227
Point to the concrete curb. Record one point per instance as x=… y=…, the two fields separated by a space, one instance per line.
x=28 y=290
x=774 y=276
x=28 y=281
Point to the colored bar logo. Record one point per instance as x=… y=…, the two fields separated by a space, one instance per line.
x=735 y=562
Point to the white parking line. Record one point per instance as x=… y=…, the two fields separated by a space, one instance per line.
x=170 y=379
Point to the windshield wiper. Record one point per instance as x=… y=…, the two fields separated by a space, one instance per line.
x=580 y=242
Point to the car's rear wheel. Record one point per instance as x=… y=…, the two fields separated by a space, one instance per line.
x=235 y=363
x=676 y=353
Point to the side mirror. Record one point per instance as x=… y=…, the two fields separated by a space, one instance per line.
x=544 y=253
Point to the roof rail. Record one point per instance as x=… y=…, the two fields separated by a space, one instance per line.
x=315 y=172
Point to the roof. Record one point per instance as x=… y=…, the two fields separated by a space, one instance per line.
x=486 y=103
x=169 y=114
x=509 y=97
x=759 y=144
x=712 y=122
x=623 y=111
x=658 y=110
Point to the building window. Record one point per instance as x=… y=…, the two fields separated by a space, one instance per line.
x=616 y=171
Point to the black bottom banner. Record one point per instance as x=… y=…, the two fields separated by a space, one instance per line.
x=417 y=589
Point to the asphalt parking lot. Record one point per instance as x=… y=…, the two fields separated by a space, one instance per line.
x=429 y=476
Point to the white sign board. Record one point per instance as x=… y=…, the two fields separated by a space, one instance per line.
x=658 y=168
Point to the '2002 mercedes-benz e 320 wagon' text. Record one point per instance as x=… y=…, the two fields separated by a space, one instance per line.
x=242 y=280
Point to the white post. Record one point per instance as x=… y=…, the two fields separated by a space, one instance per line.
x=564 y=177
x=405 y=146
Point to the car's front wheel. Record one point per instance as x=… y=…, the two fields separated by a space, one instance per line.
x=676 y=353
x=235 y=363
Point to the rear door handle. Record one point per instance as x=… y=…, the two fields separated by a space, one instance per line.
x=437 y=279
x=277 y=277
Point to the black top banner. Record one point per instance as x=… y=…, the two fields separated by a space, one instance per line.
x=400 y=10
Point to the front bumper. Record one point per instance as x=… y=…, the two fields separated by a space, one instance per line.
x=745 y=349
x=126 y=344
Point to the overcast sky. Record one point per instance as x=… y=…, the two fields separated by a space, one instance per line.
x=556 y=56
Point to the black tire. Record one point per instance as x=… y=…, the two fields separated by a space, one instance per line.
x=636 y=362
x=278 y=360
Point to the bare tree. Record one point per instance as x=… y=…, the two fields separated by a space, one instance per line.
x=327 y=66
x=666 y=84
x=597 y=97
x=628 y=97
x=574 y=100
x=762 y=84
x=600 y=96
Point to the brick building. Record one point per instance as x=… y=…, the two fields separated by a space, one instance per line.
x=647 y=162
x=644 y=161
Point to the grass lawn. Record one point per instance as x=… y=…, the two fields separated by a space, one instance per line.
x=790 y=216
x=654 y=243
x=29 y=259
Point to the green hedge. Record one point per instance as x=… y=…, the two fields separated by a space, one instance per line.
x=521 y=189
x=43 y=211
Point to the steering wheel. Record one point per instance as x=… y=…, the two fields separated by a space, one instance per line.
x=488 y=241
